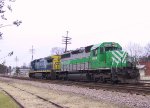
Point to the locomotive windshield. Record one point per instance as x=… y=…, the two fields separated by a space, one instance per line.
x=112 y=48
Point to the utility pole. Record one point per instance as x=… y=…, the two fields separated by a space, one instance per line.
x=16 y=60
x=17 y=68
x=66 y=41
x=32 y=51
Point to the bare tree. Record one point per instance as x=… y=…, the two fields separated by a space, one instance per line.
x=147 y=50
x=146 y=56
x=17 y=71
x=57 y=50
x=135 y=50
x=5 y=5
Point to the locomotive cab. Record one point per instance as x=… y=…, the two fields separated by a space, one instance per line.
x=102 y=55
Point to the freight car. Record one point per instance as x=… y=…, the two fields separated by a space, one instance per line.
x=101 y=62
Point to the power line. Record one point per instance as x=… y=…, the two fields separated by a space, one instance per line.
x=66 y=41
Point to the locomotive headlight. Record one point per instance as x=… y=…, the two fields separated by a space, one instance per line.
x=113 y=44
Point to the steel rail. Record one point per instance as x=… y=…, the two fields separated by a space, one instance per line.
x=53 y=103
x=18 y=103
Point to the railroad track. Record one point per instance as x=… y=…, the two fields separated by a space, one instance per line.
x=139 y=89
x=18 y=103
x=133 y=89
x=39 y=97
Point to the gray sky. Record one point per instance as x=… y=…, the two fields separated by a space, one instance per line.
x=88 y=22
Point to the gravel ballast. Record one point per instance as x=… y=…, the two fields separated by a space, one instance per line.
x=23 y=92
x=117 y=98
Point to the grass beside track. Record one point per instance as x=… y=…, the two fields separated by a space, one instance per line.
x=6 y=101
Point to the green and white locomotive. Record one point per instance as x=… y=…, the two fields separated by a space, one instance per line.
x=101 y=62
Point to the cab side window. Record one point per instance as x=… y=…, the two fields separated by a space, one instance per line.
x=95 y=51
x=101 y=50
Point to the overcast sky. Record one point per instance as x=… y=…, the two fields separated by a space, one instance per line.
x=88 y=22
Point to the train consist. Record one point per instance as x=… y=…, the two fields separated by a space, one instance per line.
x=101 y=62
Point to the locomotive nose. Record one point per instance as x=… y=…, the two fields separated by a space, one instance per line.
x=118 y=58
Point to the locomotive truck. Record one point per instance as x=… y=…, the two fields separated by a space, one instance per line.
x=104 y=62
